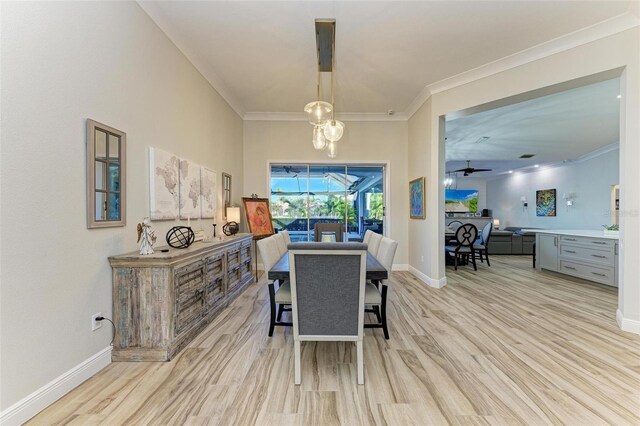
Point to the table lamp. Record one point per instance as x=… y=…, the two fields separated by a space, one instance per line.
x=496 y=223
x=233 y=219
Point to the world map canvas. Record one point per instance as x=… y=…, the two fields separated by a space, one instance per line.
x=189 y=190
x=163 y=181
x=208 y=192
x=546 y=202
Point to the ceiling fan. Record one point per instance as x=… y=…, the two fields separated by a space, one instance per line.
x=468 y=170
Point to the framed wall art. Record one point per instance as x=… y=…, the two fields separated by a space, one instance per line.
x=258 y=217
x=417 y=199
x=546 y=202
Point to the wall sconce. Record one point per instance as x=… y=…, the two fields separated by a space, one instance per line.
x=496 y=223
x=523 y=200
x=568 y=198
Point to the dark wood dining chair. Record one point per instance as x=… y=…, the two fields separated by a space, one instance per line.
x=319 y=228
x=466 y=236
x=481 y=246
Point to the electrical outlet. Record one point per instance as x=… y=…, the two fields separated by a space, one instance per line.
x=96 y=324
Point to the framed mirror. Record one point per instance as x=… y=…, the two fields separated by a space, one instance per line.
x=106 y=176
x=226 y=192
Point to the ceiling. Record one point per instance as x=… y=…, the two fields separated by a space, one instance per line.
x=565 y=126
x=260 y=55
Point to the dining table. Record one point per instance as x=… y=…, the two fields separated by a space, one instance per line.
x=375 y=270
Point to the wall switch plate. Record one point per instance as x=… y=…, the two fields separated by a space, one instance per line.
x=95 y=324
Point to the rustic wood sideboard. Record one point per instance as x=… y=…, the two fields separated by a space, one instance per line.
x=162 y=301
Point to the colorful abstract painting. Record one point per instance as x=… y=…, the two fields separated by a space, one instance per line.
x=546 y=202
x=461 y=200
x=258 y=217
x=417 y=199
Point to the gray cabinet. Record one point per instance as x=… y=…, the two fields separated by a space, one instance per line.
x=547 y=251
x=590 y=258
x=162 y=301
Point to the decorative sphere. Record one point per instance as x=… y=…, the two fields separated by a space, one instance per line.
x=180 y=237
x=230 y=228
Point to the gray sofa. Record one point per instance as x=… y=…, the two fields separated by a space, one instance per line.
x=511 y=240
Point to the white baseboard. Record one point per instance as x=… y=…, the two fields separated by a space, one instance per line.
x=400 y=267
x=626 y=324
x=32 y=404
x=431 y=282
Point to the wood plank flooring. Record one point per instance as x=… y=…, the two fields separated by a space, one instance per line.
x=505 y=345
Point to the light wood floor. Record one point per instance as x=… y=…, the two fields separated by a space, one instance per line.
x=505 y=345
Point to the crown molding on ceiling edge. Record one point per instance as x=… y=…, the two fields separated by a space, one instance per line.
x=597 y=31
x=586 y=157
x=152 y=11
x=345 y=116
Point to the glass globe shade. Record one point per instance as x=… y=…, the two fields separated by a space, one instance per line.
x=333 y=130
x=319 y=141
x=318 y=112
x=332 y=149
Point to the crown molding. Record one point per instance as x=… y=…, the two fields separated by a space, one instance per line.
x=530 y=169
x=153 y=12
x=345 y=116
x=597 y=31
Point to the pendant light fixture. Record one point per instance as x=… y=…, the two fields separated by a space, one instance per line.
x=327 y=130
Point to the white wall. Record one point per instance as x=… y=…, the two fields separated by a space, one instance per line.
x=589 y=180
x=618 y=51
x=61 y=64
x=373 y=142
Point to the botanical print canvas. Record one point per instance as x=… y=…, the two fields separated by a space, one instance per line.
x=163 y=185
x=258 y=216
x=189 y=190
x=208 y=193
x=546 y=202
x=417 y=199
x=461 y=200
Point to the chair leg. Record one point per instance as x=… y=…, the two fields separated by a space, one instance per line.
x=486 y=254
x=280 y=310
x=360 y=362
x=480 y=253
x=272 y=302
x=376 y=310
x=296 y=355
x=383 y=307
x=473 y=260
x=455 y=262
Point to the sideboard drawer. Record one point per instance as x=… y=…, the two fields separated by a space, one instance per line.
x=589 y=242
x=233 y=256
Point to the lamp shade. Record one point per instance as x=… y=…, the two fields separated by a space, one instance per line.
x=496 y=223
x=318 y=112
x=233 y=214
x=319 y=141
x=333 y=130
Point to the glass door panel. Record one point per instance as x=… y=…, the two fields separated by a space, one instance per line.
x=327 y=184
x=365 y=196
x=289 y=199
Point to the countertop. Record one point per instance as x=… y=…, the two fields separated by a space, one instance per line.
x=590 y=233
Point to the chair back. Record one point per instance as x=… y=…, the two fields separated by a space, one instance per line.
x=281 y=243
x=386 y=253
x=327 y=290
x=454 y=225
x=268 y=248
x=319 y=228
x=367 y=236
x=466 y=235
x=374 y=244
x=287 y=237
x=486 y=234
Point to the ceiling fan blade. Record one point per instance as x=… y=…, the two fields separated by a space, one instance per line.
x=459 y=170
x=482 y=170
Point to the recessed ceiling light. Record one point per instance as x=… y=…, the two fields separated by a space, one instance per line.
x=536 y=166
x=619 y=96
x=510 y=171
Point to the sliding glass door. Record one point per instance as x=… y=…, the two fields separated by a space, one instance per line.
x=305 y=194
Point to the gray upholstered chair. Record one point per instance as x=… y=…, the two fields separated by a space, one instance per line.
x=280 y=296
x=367 y=236
x=466 y=236
x=327 y=289
x=374 y=243
x=481 y=245
x=281 y=242
x=375 y=295
x=319 y=228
